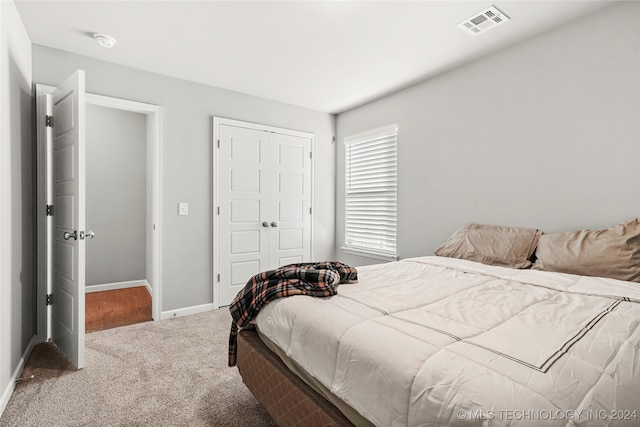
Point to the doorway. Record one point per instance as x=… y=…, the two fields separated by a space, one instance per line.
x=149 y=117
x=117 y=290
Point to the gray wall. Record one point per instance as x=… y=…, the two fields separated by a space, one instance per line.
x=17 y=195
x=187 y=160
x=543 y=134
x=116 y=195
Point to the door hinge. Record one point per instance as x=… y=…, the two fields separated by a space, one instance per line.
x=218 y=210
x=309 y=211
x=310 y=154
x=218 y=277
x=218 y=143
x=49 y=210
x=50 y=299
x=49 y=121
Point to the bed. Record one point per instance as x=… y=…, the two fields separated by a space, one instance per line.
x=440 y=340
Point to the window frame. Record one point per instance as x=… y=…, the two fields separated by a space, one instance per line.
x=387 y=248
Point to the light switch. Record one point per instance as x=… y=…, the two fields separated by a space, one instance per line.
x=183 y=208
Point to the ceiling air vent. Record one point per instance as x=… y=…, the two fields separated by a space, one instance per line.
x=483 y=21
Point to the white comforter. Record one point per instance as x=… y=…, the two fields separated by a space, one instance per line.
x=440 y=341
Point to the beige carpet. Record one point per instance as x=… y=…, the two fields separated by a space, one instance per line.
x=168 y=373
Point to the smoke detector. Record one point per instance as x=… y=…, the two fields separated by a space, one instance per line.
x=105 y=40
x=483 y=21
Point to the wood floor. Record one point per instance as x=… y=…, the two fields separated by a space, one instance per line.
x=119 y=307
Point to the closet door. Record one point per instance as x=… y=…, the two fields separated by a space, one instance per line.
x=290 y=236
x=263 y=183
x=243 y=175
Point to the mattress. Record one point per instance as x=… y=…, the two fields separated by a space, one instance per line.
x=443 y=341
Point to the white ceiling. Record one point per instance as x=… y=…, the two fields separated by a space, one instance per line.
x=325 y=55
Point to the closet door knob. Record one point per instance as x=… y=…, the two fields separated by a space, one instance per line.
x=265 y=224
x=274 y=224
x=68 y=235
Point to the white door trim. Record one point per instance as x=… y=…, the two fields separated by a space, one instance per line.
x=217 y=122
x=43 y=233
x=154 y=141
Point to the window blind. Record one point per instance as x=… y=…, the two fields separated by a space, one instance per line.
x=371 y=192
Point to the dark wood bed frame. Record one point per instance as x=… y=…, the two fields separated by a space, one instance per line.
x=287 y=399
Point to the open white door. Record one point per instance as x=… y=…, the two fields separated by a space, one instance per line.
x=68 y=240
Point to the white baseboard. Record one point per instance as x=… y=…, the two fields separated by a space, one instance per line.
x=186 y=311
x=118 y=285
x=8 y=391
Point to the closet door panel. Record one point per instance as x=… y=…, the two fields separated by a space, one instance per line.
x=291 y=199
x=244 y=205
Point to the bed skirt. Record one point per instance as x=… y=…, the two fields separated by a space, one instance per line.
x=287 y=399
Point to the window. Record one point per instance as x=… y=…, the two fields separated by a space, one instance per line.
x=371 y=193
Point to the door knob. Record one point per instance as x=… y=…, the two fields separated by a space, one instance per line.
x=68 y=235
x=265 y=224
x=90 y=234
x=274 y=224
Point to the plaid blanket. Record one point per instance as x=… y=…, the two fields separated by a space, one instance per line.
x=315 y=279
